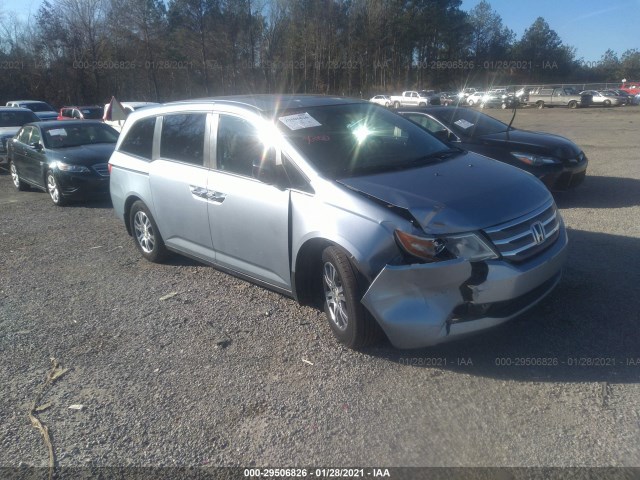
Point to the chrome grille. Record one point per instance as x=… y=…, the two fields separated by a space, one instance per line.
x=102 y=169
x=521 y=238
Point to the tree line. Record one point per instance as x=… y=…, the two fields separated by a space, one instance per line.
x=85 y=51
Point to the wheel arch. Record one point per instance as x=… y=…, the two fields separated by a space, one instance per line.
x=127 y=211
x=307 y=278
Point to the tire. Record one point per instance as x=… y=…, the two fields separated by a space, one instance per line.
x=470 y=103
x=573 y=104
x=396 y=105
x=348 y=319
x=145 y=233
x=54 y=189
x=15 y=178
x=540 y=105
x=607 y=103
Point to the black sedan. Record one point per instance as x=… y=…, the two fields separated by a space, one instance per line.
x=555 y=160
x=66 y=158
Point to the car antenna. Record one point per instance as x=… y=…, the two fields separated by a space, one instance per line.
x=513 y=117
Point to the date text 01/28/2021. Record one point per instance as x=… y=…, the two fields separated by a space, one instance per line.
x=316 y=472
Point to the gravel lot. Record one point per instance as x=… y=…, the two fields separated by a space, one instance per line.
x=182 y=365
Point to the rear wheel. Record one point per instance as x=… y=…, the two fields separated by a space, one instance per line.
x=470 y=103
x=15 y=178
x=348 y=319
x=573 y=104
x=396 y=104
x=540 y=105
x=54 y=189
x=145 y=233
x=607 y=103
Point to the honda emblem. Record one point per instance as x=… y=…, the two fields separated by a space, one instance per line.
x=537 y=230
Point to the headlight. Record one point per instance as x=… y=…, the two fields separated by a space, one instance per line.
x=434 y=249
x=535 y=160
x=67 y=167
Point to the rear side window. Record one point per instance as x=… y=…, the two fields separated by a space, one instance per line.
x=182 y=138
x=139 y=139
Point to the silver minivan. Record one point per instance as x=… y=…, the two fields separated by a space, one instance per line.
x=344 y=205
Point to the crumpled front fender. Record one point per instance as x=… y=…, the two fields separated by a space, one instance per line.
x=412 y=303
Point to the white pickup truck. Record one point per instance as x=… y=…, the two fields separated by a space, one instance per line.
x=412 y=98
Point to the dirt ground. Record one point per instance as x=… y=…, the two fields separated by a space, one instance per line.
x=179 y=365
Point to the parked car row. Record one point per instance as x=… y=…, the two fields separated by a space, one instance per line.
x=540 y=97
x=336 y=202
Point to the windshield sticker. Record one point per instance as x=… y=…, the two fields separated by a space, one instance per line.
x=462 y=123
x=300 y=121
x=57 y=131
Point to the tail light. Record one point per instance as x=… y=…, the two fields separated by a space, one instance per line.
x=109 y=168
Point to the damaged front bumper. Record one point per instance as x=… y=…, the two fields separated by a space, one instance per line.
x=425 y=304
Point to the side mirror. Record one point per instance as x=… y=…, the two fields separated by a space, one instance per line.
x=442 y=135
x=37 y=146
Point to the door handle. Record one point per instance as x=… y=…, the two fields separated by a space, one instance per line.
x=217 y=197
x=210 y=195
x=200 y=192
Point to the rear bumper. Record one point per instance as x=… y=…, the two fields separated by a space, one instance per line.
x=426 y=304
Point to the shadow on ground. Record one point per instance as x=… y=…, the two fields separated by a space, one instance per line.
x=601 y=192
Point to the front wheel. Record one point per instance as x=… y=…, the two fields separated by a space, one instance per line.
x=607 y=103
x=15 y=178
x=470 y=103
x=573 y=104
x=145 y=233
x=540 y=105
x=348 y=319
x=396 y=105
x=54 y=189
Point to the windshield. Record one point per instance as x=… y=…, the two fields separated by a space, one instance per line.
x=469 y=123
x=94 y=113
x=357 y=139
x=16 y=119
x=38 y=107
x=76 y=135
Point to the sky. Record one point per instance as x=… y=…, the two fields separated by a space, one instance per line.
x=590 y=26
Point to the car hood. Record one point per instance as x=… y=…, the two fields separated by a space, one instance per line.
x=533 y=142
x=47 y=115
x=465 y=193
x=84 y=154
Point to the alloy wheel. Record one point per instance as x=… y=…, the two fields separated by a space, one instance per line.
x=144 y=232
x=335 y=297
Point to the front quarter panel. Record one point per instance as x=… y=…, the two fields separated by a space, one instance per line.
x=341 y=217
